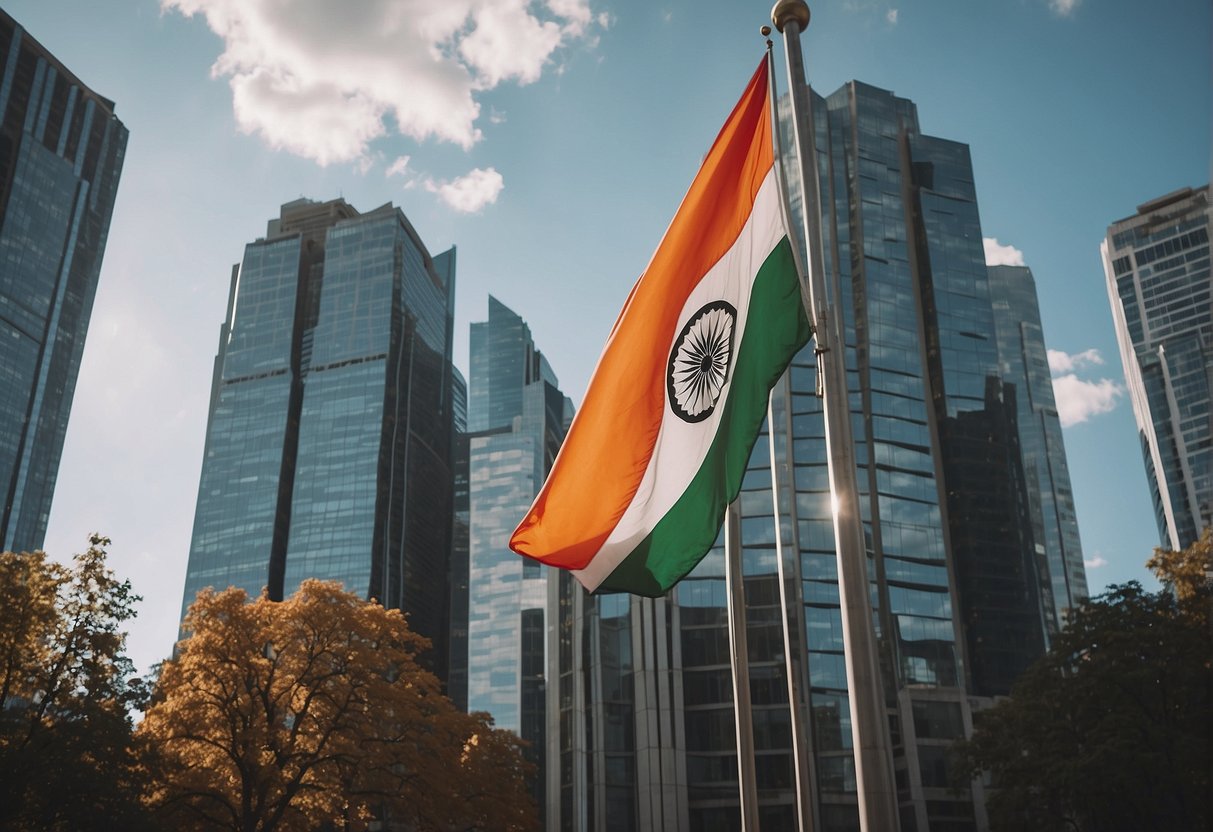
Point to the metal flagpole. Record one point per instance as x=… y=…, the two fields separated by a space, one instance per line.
x=869 y=721
x=793 y=656
x=740 y=659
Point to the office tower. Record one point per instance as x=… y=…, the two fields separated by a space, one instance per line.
x=329 y=439
x=61 y=152
x=905 y=264
x=960 y=475
x=1157 y=267
x=517 y=418
x=1024 y=362
x=949 y=478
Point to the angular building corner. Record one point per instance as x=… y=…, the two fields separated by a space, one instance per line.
x=61 y=154
x=1160 y=287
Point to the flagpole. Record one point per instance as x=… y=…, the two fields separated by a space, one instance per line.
x=869 y=720
x=740 y=660
x=793 y=653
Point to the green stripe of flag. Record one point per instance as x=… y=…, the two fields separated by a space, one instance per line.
x=776 y=328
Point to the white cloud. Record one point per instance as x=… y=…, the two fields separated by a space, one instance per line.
x=506 y=42
x=1063 y=8
x=321 y=79
x=318 y=121
x=871 y=10
x=470 y=193
x=1062 y=362
x=1000 y=255
x=1079 y=400
x=1095 y=562
x=398 y=167
x=576 y=13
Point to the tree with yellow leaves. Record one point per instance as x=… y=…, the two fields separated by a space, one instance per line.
x=1186 y=572
x=313 y=713
x=67 y=758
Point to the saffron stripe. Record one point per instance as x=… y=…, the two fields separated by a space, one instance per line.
x=681 y=447
x=595 y=476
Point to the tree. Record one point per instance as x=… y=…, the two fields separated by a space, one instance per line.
x=313 y=713
x=66 y=693
x=1111 y=729
x=491 y=790
x=1187 y=572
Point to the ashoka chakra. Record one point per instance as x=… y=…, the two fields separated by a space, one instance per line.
x=699 y=362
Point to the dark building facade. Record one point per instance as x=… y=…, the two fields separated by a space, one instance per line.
x=330 y=438
x=61 y=153
x=1024 y=362
x=992 y=546
x=457 y=679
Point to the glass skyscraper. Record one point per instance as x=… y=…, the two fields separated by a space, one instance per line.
x=330 y=437
x=1160 y=288
x=1024 y=361
x=61 y=153
x=973 y=552
x=517 y=418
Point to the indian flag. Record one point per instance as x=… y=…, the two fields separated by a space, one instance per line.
x=638 y=492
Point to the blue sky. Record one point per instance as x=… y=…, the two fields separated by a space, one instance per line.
x=551 y=142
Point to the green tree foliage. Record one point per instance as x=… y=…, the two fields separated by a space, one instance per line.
x=66 y=692
x=313 y=713
x=1111 y=729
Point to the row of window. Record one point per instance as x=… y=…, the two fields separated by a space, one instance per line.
x=1174 y=245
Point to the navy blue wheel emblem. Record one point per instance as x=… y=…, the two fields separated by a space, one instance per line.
x=699 y=362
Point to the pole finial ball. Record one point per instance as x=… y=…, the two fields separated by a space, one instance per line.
x=765 y=30
x=789 y=10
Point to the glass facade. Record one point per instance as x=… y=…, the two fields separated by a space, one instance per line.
x=1160 y=288
x=617 y=746
x=61 y=153
x=904 y=263
x=330 y=437
x=1024 y=362
x=457 y=679
x=993 y=551
x=952 y=494
x=503 y=362
x=517 y=418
